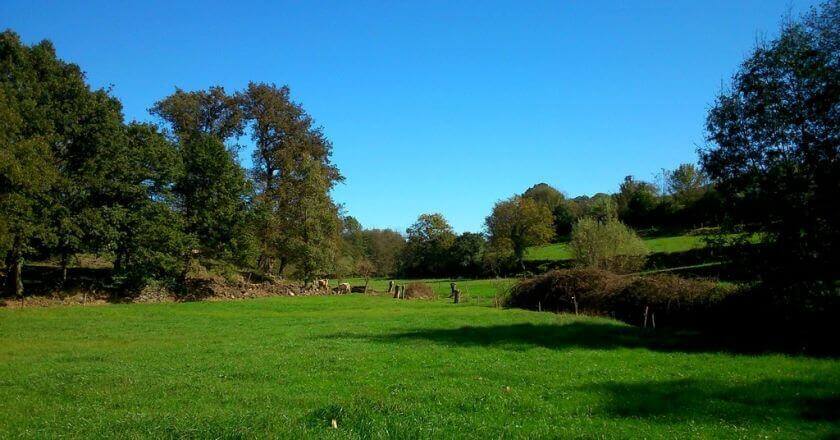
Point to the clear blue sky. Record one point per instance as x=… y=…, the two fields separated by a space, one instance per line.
x=437 y=106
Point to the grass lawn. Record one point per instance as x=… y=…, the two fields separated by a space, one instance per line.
x=287 y=366
x=561 y=251
x=471 y=290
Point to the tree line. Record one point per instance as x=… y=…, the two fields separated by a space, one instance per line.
x=540 y=215
x=770 y=169
x=156 y=198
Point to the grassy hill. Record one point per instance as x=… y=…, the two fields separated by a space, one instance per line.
x=676 y=243
x=288 y=366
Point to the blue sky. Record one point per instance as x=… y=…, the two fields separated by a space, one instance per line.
x=437 y=106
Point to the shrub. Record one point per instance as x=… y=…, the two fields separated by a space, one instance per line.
x=608 y=245
x=671 y=300
x=560 y=290
x=418 y=290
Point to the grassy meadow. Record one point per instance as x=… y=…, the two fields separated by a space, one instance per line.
x=667 y=244
x=287 y=366
x=471 y=290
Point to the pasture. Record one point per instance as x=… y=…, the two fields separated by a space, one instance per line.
x=289 y=366
x=667 y=244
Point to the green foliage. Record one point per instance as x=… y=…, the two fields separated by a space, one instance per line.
x=427 y=251
x=467 y=254
x=298 y=222
x=636 y=201
x=384 y=247
x=545 y=195
x=607 y=245
x=564 y=218
x=687 y=183
x=774 y=152
x=517 y=223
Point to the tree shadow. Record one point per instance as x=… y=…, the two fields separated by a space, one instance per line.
x=765 y=401
x=590 y=335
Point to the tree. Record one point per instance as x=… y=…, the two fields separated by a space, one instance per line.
x=59 y=131
x=607 y=245
x=601 y=207
x=211 y=187
x=430 y=239
x=774 y=150
x=385 y=246
x=518 y=223
x=26 y=176
x=545 y=195
x=298 y=221
x=635 y=202
x=467 y=253
x=147 y=235
x=687 y=183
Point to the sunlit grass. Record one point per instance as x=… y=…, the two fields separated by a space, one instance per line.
x=380 y=367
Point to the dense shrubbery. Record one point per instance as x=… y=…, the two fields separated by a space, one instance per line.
x=668 y=299
x=755 y=317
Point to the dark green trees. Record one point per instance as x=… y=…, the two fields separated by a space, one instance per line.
x=74 y=178
x=56 y=133
x=774 y=148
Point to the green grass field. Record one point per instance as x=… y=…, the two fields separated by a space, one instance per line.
x=287 y=366
x=472 y=290
x=561 y=251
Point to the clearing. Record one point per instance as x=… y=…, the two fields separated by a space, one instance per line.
x=288 y=366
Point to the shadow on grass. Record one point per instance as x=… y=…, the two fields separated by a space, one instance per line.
x=762 y=402
x=590 y=335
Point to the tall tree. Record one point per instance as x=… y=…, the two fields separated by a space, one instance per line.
x=636 y=200
x=385 y=246
x=299 y=222
x=518 y=223
x=26 y=176
x=687 y=183
x=775 y=150
x=430 y=239
x=211 y=188
x=49 y=106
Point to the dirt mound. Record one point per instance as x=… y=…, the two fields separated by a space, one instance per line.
x=419 y=290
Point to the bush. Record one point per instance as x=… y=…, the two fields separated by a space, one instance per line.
x=671 y=300
x=560 y=290
x=607 y=245
x=419 y=290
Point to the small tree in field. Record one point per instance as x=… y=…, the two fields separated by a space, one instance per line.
x=608 y=245
x=365 y=268
x=517 y=223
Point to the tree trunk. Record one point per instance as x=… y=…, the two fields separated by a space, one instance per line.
x=14 y=266
x=366 y=284
x=186 y=271
x=65 y=261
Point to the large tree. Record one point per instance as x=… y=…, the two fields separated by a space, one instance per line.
x=518 y=223
x=636 y=201
x=775 y=146
x=211 y=187
x=430 y=239
x=299 y=223
x=54 y=118
x=385 y=246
